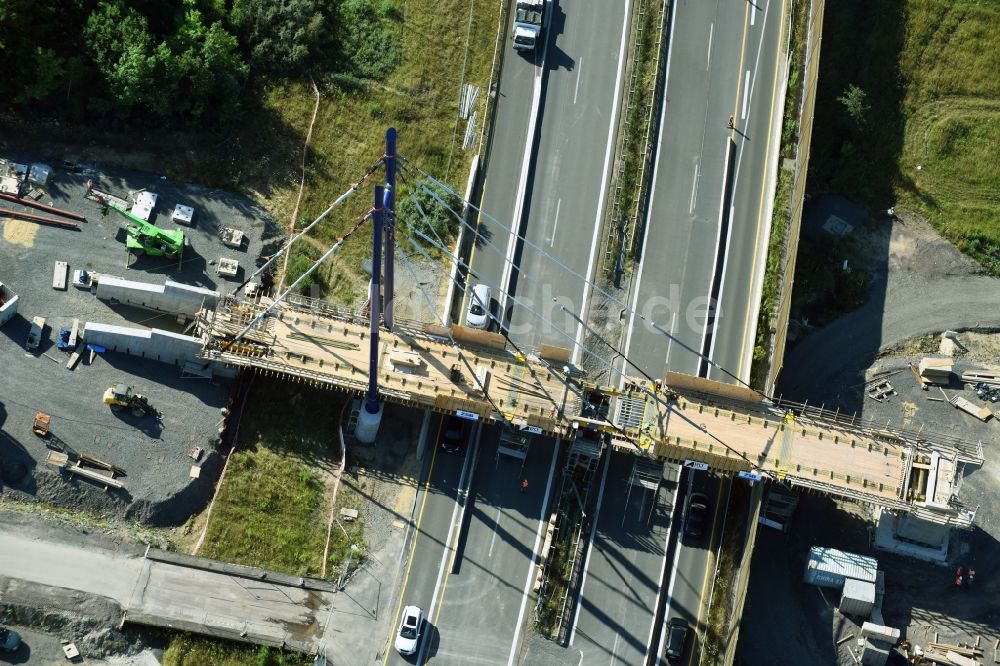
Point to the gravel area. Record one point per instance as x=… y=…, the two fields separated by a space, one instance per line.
x=922 y=285
x=158 y=485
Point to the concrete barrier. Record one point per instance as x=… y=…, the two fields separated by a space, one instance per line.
x=172 y=297
x=240 y=570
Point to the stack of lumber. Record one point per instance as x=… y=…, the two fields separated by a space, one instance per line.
x=952 y=655
x=936 y=371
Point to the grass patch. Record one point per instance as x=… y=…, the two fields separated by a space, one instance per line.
x=188 y=650
x=925 y=139
x=645 y=59
x=272 y=509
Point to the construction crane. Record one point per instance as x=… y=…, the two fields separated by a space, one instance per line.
x=145 y=238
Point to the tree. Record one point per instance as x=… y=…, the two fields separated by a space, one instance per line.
x=421 y=210
x=855 y=101
x=367 y=47
x=47 y=72
x=283 y=36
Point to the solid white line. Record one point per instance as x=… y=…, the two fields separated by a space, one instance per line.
x=556 y=225
x=708 y=60
x=447 y=551
x=576 y=91
x=586 y=562
x=722 y=286
x=542 y=522
x=584 y=306
x=496 y=528
x=753 y=13
x=652 y=193
x=715 y=263
x=670 y=342
x=615 y=649
x=673 y=578
x=746 y=94
x=694 y=189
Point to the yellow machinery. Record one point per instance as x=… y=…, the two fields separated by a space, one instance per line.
x=121 y=396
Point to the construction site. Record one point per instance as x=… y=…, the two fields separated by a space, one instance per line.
x=120 y=374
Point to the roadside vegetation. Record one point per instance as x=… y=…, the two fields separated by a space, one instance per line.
x=636 y=159
x=188 y=650
x=272 y=508
x=907 y=113
x=731 y=550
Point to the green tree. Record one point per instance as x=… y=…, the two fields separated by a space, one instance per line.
x=368 y=47
x=855 y=102
x=281 y=35
x=421 y=210
x=46 y=75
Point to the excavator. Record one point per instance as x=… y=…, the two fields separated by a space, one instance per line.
x=142 y=237
x=121 y=396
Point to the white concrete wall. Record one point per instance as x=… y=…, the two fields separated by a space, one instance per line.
x=151 y=343
x=172 y=297
x=9 y=308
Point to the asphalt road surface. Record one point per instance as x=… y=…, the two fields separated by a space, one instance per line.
x=756 y=144
x=718 y=51
x=476 y=609
x=624 y=569
x=566 y=193
x=428 y=548
x=503 y=169
x=690 y=585
x=487 y=599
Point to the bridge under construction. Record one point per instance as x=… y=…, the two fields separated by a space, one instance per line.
x=729 y=428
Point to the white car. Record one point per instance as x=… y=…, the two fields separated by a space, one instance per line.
x=410 y=628
x=479 y=307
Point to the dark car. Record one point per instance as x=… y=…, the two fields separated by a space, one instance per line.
x=697 y=515
x=677 y=634
x=10 y=640
x=453 y=436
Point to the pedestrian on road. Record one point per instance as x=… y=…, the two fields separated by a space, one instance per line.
x=731 y=125
x=971 y=577
x=524 y=485
x=958 y=582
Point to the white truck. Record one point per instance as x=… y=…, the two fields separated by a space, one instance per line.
x=529 y=16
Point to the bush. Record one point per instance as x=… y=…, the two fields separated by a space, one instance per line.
x=368 y=49
x=418 y=209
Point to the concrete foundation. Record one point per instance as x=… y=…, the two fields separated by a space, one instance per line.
x=8 y=304
x=172 y=297
x=912 y=537
x=367 y=429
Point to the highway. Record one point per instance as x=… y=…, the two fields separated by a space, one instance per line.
x=477 y=597
x=757 y=145
x=567 y=192
x=624 y=569
x=718 y=51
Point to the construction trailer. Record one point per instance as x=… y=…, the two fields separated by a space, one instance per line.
x=829 y=567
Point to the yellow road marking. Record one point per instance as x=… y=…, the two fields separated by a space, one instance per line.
x=413 y=546
x=709 y=570
x=760 y=209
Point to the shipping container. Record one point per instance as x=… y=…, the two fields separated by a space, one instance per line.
x=858 y=598
x=829 y=567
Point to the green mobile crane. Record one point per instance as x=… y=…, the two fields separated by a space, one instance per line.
x=143 y=237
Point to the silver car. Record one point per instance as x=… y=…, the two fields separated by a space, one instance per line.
x=479 y=307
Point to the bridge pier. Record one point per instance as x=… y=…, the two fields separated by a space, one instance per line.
x=367 y=429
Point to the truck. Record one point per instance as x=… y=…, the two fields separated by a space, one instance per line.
x=529 y=16
x=142 y=237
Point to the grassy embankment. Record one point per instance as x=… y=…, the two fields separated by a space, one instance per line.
x=717 y=630
x=924 y=134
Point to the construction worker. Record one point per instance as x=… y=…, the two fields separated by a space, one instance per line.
x=958 y=581
x=971 y=577
x=958 y=576
x=731 y=125
x=524 y=485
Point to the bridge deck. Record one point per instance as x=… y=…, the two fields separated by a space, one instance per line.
x=329 y=347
